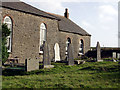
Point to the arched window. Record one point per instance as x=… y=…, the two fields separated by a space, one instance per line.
x=8 y=21
x=67 y=44
x=81 y=48
x=42 y=36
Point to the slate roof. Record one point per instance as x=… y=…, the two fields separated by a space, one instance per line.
x=21 y=6
x=65 y=25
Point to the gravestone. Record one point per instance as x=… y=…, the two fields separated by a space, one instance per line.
x=98 y=52
x=70 y=55
x=46 y=59
x=57 y=52
x=114 y=55
x=118 y=55
x=31 y=64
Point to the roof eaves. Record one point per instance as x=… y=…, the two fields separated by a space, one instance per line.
x=28 y=12
x=74 y=33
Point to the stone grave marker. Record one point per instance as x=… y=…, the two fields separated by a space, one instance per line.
x=114 y=55
x=57 y=52
x=98 y=52
x=70 y=55
x=118 y=55
x=31 y=64
x=46 y=59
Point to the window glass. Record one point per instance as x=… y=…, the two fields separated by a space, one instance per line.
x=8 y=21
x=67 y=44
x=42 y=36
x=81 y=48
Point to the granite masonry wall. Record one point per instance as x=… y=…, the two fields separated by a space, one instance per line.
x=26 y=35
x=75 y=39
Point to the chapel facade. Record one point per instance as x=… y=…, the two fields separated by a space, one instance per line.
x=31 y=27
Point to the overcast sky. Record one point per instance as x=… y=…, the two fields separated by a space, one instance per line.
x=97 y=17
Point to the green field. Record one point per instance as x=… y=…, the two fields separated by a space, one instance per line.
x=88 y=75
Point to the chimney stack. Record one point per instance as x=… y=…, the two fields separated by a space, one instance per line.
x=66 y=14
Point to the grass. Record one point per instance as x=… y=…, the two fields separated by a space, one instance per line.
x=88 y=75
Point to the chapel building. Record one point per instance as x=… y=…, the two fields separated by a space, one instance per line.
x=31 y=27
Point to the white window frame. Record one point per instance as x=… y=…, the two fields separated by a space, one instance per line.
x=8 y=21
x=43 y=31
x=81 y=49
x=67 y=43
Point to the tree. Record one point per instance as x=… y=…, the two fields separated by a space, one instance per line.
x=5 y=33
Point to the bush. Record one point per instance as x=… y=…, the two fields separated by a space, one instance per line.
x=5 y=33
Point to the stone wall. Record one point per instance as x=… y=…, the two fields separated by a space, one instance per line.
x=26 y=34
x=104 y=53
x=75 y=38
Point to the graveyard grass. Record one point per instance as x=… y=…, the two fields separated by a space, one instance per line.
x=88 y=75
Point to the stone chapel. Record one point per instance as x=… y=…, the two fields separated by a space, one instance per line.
x=31 y=27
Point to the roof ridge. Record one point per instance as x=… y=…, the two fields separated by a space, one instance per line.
x=55 y=14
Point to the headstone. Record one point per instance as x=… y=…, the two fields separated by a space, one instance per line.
x=57 y=52
x=46 y=59
x=70 y=55
x=118 y=55
x=114 y=55
x=31 y=64
x=98 y=52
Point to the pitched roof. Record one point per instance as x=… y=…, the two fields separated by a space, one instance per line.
x=21 y=6
x=67 y=25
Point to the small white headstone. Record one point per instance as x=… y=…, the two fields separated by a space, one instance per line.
x=114 y=55
x=118 y=55
x=57 y=52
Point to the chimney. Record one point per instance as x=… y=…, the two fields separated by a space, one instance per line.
x=66 y=14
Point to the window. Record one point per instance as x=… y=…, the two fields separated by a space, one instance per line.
x=42 y=36
x=81 y=48
x=67 y=44
x=8 y=21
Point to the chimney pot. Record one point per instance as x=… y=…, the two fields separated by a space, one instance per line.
x=66 y=14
